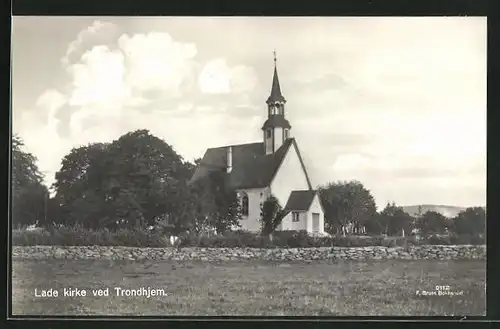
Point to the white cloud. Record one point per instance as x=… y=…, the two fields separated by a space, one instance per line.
x=217 y=77
x=51 y=99
x=106 y=82
x=99 y=78
x=99 y=33
x=156 y=61
x=243 y=79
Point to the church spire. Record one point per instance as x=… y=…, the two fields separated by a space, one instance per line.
x=276 y=128
x=276 y=95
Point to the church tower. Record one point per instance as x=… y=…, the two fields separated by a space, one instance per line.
x=276 y=128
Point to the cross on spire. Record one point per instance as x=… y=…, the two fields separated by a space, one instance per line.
x=274 y=54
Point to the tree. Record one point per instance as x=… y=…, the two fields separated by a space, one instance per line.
x=395 y=220
x=272 y=215
x=432 y=222
x=217 y=205
x=79 y=186
x=29 y=194
x=347 y=204
x=132 y=181
x=375 y=225
x=470 y=221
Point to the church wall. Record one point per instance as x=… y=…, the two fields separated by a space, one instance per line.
x=256 y=196
x=316 y=208
x=288 y=224
x=290 y=176
x=278 y=138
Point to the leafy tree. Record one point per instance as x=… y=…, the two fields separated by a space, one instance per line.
x=29 y=195
x=395 y=220
x=470 y=221
x=347 y=203
x=375 y=225
x=24 y=168
x=217 y=205
x=272 y=215
x=432 y=222
x=79 y=186
x=132 y=181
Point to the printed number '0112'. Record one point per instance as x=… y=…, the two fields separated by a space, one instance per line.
x=443 y=288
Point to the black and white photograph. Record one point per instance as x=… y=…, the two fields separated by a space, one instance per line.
x=248 y=166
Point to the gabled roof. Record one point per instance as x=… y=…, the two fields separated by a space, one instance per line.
x=251 y=167
x=300 y=200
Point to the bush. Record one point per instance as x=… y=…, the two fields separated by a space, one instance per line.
x=139 y=237
x=355 y=241
x=78 y=236
x=473 y=239
x=293 y=239
x=438 y=240
x=31 y=238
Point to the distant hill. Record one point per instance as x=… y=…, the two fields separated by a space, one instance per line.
x=448 y=211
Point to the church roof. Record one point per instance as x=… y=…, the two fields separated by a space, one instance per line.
x=276 y=95
x=276 y=121
x=251 y=167
x=300 y=200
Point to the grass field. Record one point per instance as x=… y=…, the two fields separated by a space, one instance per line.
x=252 y=288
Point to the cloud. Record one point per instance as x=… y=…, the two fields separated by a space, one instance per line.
x=99 y=78
x=155 y=61
x=51 y=99
x=217 y=77
x=99 y=33
x=107 y=81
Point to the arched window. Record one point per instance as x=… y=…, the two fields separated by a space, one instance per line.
x=244 y=205
x=268 y=133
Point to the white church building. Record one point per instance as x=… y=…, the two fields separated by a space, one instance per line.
x=273 y=166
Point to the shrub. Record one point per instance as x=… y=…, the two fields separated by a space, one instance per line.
x=354 y=241
x=293 y=239
x=30 y=238
x=438 y=240
x=141 y=237
x=78 y=236
x=474 y=239
x=245 y=239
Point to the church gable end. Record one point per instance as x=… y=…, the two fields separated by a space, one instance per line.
x=290 y=175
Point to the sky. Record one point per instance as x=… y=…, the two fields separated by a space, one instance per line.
x=396 y=103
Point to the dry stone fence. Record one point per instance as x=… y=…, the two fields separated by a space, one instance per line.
x=437 y=252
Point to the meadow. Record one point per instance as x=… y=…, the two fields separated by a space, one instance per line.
x=258 y=288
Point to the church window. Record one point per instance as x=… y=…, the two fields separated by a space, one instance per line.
x=295 y=216
x=244 y=205
x=268 y=133
x=286 y=133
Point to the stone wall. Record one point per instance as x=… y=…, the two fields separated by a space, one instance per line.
x=221 y=254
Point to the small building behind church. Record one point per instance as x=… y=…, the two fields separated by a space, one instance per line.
x=273 y=166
